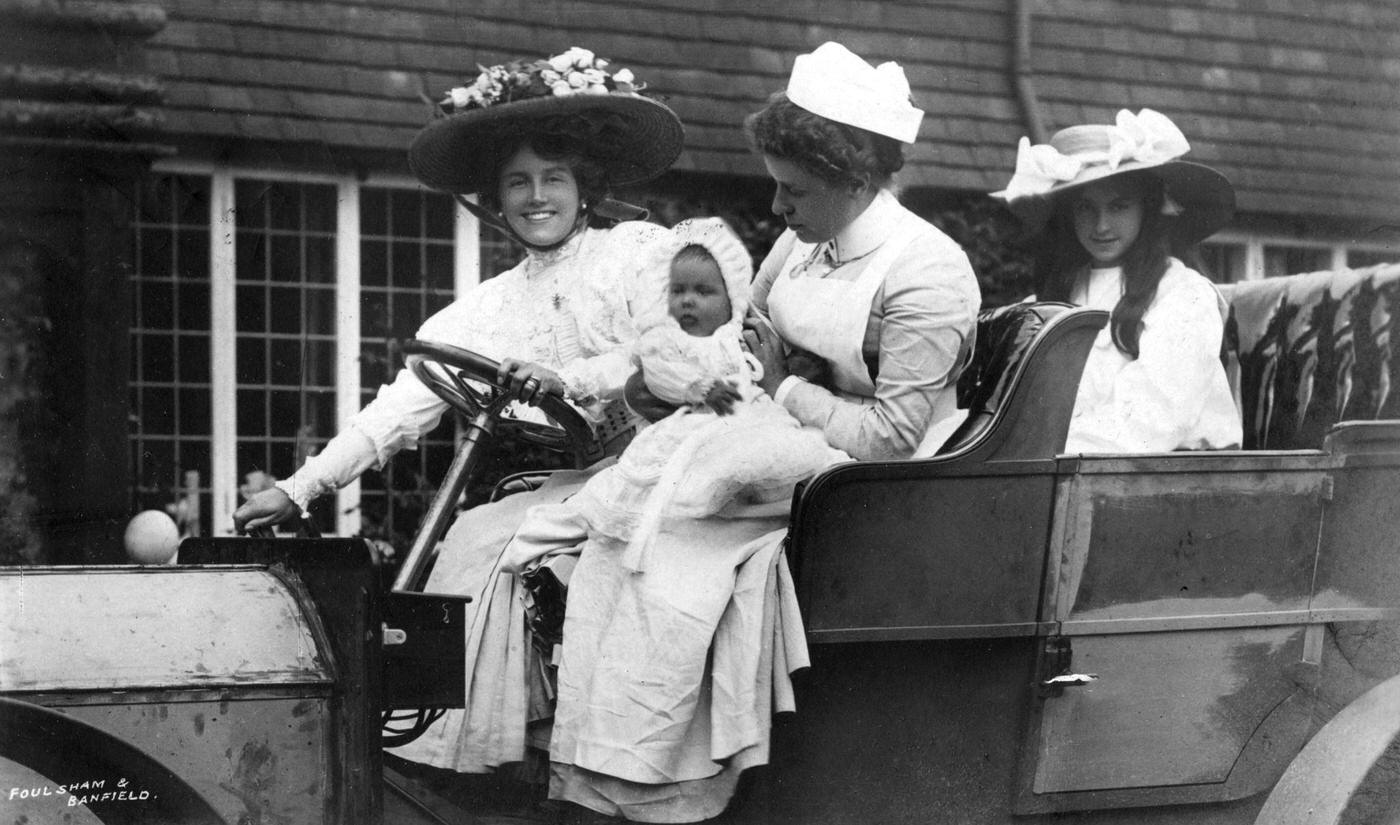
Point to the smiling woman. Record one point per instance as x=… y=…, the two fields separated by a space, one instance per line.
x=539 y=198
x=541 y=142
x=542 y=158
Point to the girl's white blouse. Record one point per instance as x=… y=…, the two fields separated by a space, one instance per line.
x=575 y=310
x=1175 y=395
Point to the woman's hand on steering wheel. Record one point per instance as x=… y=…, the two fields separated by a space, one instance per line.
x=529 y=382
x=765 y=345
x=264 y=509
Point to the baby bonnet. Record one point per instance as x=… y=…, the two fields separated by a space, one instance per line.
x=735 y=265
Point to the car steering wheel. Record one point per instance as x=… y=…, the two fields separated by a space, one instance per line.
x=452 y=374
x=446 y=370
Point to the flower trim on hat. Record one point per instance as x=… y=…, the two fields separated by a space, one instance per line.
x=575 y=72
x=1148 y=138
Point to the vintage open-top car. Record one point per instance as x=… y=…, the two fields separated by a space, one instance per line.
x=999 y=634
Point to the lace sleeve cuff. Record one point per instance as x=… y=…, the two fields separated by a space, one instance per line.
x=302 y=491
x=588 y=381
x=341 y=461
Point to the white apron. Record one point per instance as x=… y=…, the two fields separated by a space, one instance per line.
x=828 y=317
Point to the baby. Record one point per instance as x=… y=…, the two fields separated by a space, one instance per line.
x=728 y=447
x=698 y=301
x=695 y=357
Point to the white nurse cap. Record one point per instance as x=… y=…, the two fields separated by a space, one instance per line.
x=837 y=84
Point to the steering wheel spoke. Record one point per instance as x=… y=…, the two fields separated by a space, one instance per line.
x=449 y=386
x=452 y=373
x=482 y=400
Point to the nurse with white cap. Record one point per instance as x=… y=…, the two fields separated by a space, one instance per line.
x=883 y=299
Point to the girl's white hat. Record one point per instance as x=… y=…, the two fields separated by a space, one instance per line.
x=1200 y=198
x=837 y=84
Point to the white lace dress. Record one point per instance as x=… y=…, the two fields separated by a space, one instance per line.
x=574 y=310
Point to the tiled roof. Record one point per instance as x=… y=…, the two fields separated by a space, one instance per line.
x=1298 y=102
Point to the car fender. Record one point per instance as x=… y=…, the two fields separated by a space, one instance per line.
x=1330 y=777
x=127 y=785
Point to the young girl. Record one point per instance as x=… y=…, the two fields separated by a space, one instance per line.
x=1120 y=212
x=728 y=444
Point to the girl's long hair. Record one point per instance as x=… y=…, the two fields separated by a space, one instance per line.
x=1060 y=259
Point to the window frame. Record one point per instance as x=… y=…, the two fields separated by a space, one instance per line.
x=1255 y=243
x=225 y=476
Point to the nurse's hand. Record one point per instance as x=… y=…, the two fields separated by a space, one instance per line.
x=765 y=345
x=810 y=367
x=642 y=401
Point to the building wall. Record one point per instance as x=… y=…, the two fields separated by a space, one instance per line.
x=76 y=113
x=264 y=100
x=1296 y=101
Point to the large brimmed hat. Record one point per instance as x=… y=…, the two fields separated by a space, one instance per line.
x=638 y=137
x=1199 y=198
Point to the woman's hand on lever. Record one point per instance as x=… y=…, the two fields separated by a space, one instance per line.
x=529 y=382
x=264 y=509
x=765 y=345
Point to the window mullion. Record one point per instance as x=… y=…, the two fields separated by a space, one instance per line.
x=467 y=252
x=466 y=241
x=1254 y=260
x=347 y=338
x=223 y=330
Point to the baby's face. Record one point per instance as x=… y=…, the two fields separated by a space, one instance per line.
x=698 y=299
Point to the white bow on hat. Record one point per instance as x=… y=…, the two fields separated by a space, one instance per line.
x=1146 y=139
x=837 y=84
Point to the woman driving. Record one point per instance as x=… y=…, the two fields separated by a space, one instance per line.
x=542 y=162
x=542 y=142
